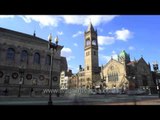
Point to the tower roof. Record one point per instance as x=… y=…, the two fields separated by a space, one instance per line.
x=123 y=54
x=90 y=27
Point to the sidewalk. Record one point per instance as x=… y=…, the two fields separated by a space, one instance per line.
x=154 y=101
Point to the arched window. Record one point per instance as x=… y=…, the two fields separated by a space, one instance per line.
x=48 y=60
x=10 y=54
x=88 y=42
x=113 y=76
x=37 y=58
x=24 y=56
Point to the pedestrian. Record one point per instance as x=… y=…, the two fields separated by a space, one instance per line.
x=31 y=93
x=6 y=92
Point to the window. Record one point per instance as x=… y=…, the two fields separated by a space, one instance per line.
x=6 y=79
x=24 y=56
x=10 y=54
x=93 y=42
x=94 y=52
x=87 y=67
x=87 y=53
x=48 y=60
x=144 y=80
x=37 y=58
x=113 y=76
x=88 y=42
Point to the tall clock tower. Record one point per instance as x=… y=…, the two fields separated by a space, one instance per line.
x=92 y=72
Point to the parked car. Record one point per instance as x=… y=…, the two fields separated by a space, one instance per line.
x=137 y=92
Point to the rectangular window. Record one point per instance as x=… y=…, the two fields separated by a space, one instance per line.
x=94 y=52
x=87 y=67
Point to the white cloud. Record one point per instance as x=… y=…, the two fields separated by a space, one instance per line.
x=131 y=48
x=73 y=68
x=77 y=34
x=53 y=20
x=100 y=29
x=110 y=33
x=113 y=52
x=67 y=52
x=85 y=19
x=7 y=16
x=60 y=33
x=43 y=20
x=107 y=58
x=70 y=58
x=75 y=44
x=105 y=40
x=101 y=48
x=123 y=34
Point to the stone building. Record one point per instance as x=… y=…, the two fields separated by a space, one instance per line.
x=121 y=74
x=90 y=75
x=25 y=60
x=126 y=74
x=65 y=77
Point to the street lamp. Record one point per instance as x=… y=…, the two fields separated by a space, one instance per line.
x=21 y=72
x=157 y=72
x=52 y=47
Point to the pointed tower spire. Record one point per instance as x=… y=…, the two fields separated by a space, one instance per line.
x=90 y=27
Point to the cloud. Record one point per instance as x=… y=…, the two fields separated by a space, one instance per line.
x=101 y=48
x=67 y=52
x=123 y=34
x=70 y=58
x=113 y=52
x=105 y=40
x=73 y=68
x=75 y=44
x=85 y=19
x=60 y=33
x=107 y=58
x=77 y=34
x=7 y=16
x=131 y=48
x=54 y=20
x=100 y=29
x=43 y=20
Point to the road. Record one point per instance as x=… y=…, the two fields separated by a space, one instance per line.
x=82 y=100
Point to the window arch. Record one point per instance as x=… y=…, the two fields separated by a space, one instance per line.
x=113 y=76
x=10 y=54
x=88 y=42
x=24 y=56
x=36 y=58
x=48 y=60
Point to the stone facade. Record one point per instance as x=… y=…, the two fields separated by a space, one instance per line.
x=26 y=56
x=126 y=74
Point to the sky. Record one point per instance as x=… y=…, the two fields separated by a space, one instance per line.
x=138 y=35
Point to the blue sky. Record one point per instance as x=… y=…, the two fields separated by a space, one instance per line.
x=138 y=35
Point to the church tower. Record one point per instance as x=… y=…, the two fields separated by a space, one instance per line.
x=91 y=57
x=123 y=57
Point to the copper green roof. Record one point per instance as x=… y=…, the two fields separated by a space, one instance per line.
x=123 y=54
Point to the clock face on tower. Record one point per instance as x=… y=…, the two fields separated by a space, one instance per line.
x=93 y=42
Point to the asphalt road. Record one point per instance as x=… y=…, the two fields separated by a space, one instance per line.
x=82 y=100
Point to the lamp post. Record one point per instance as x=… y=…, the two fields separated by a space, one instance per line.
x=155 y=67
x=21 y=72
x=52 y=47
